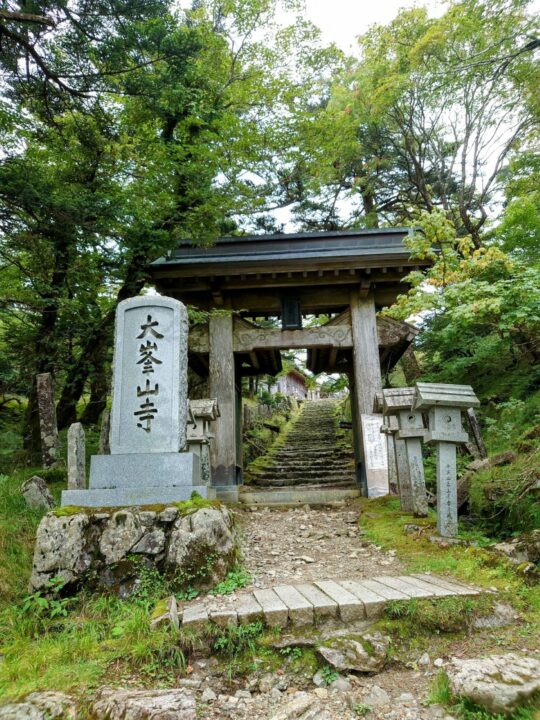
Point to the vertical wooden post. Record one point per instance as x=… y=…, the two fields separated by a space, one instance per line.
x=367 y=368
x=357 y=437
x=367 y=382
x=222 y=387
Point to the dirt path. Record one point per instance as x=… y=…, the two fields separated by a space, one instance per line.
x=306 y=544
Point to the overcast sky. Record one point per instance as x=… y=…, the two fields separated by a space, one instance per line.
x=341 y=21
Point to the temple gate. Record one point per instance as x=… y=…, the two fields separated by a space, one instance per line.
x=346 y=275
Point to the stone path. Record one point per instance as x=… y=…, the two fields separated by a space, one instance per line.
x=311 y=603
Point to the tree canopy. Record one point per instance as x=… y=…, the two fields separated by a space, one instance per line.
x=126 y=126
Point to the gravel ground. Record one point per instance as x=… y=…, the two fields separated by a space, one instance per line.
x=306 y=544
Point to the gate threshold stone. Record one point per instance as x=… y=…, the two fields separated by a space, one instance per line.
x=313 y=603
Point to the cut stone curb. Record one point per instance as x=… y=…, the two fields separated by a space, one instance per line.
x=313 y=603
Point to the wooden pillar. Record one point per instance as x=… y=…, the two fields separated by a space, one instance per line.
x=367 y=368
x=357 y=438
x=222 y=387
x=367 y=382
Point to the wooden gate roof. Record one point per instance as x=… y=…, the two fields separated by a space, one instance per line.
x=250 y=274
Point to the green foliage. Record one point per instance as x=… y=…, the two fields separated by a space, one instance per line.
x=440 y=692
x=46 y=604
x=234 y=640
x=291 y=653
x=328 y=674
x=504 y=500
x=442 y=615
x=236 y=578
x=361 y=709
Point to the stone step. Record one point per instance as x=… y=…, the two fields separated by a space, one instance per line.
x=306 y=471
x=299 y=482
x=306 y=461
x=314 y=603
x=296 y=495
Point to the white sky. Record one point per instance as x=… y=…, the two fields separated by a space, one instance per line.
x=341 y=21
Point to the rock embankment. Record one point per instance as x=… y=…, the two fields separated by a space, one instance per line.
x=109 y=548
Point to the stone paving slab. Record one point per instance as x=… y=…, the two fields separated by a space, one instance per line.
x=456 y=587
x=374 y=604
x=310 y=603
x=276 y=613
x=249 y=610
x=323 y=606
x=300 y=610
x=350 y=607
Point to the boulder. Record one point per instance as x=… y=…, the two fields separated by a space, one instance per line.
x=499 y=683
x=523 y=549
x=131 y=704
x=41 y=706
x=60 y=550
x=203 y=542
x=113 y=549
x=36 y=494
x=122 y=531
x=357 y=652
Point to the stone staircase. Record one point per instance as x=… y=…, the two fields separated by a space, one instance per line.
x=312 y=453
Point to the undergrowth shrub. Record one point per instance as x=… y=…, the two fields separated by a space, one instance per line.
x=504 y=500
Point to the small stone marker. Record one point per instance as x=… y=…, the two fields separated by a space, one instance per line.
x=104 y=447
x=149 y=412
x=445 y=404
x=411 y=433
x=76 y=457
x=47 y=419
x=36 y=493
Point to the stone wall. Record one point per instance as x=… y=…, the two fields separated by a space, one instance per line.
x=112 y=548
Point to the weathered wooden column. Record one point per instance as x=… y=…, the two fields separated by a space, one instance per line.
x=357 y=438
x=222 y=388
x=367 y=382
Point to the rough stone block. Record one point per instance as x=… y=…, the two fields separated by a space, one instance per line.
x=36 y=493
x=248 y=609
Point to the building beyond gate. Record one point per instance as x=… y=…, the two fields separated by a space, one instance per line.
x=346 y=275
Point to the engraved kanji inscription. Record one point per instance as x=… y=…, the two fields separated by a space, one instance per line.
x=148 y=327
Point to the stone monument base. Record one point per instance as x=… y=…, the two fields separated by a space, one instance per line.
x=140 y=479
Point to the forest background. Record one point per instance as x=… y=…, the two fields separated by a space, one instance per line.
x=126 y=126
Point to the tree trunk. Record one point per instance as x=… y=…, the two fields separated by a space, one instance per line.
x=47 y=341
x=99 y=388
x=409 y=364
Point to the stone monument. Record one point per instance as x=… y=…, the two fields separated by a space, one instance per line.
x=409 y=436
x=445 y=404
x=149 y=412
x=47 y=419
x=76 y=457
